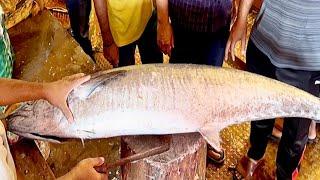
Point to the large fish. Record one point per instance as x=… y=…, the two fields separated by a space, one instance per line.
x=164 y=99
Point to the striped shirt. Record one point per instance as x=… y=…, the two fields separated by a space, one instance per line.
x=200 y=15
x=288 y=32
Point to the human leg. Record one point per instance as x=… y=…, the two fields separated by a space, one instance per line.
x=295 y=130
x=147 y=43
x=126 y=55
x=79 y=12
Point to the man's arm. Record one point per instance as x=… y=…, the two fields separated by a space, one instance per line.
x=102 y=15
x=14 y=91
x=162 y=11
x=110 y=49
x=165 y=39
x=239 y=29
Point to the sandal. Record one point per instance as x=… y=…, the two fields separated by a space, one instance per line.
x=217 y=157
x=249 y=169
x=312 y=141
x=274 y=138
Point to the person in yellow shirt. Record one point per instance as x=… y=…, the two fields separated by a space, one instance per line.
x=124 y=25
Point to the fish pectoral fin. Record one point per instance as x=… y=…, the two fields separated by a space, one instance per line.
x=96 y=80
x=210 y=132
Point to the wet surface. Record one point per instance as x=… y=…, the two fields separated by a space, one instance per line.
x=42 y=55
x=45 y=51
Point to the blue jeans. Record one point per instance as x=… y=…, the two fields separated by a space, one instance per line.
x=199 y=48
x=79 y=12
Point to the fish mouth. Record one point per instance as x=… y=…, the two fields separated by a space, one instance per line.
x=36 y=136
x=15 y=115
x=48 y=138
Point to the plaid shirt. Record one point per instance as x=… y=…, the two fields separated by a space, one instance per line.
x=200 y=15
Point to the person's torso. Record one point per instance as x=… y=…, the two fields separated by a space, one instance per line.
x=128 y=19
x=200 y=15
x=287 y=31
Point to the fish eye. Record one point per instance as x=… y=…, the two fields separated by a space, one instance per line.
x=27 y=106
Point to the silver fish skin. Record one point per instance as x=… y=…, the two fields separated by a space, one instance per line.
x=164 y=99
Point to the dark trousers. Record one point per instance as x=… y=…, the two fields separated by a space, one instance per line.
x=147 y=44
x=199 y=48
x=79 y=12
x=295 y=130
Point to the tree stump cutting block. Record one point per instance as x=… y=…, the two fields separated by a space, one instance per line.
x=186 y=158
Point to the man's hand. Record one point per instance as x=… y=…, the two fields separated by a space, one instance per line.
x=239 y=28
x=238 y=33
x=111 y=53
x=165 y=39
x=85 y=170
x=57 y=92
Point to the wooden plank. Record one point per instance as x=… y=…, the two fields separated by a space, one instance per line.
x=29 y=162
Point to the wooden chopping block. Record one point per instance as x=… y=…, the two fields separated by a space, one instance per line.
x=186 y=158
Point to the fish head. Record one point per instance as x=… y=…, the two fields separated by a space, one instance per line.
x=32 y=119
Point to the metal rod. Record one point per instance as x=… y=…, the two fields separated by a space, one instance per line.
x=151 y=152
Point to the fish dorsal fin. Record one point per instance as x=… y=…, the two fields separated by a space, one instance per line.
x=210 y=133
x=96 y=80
